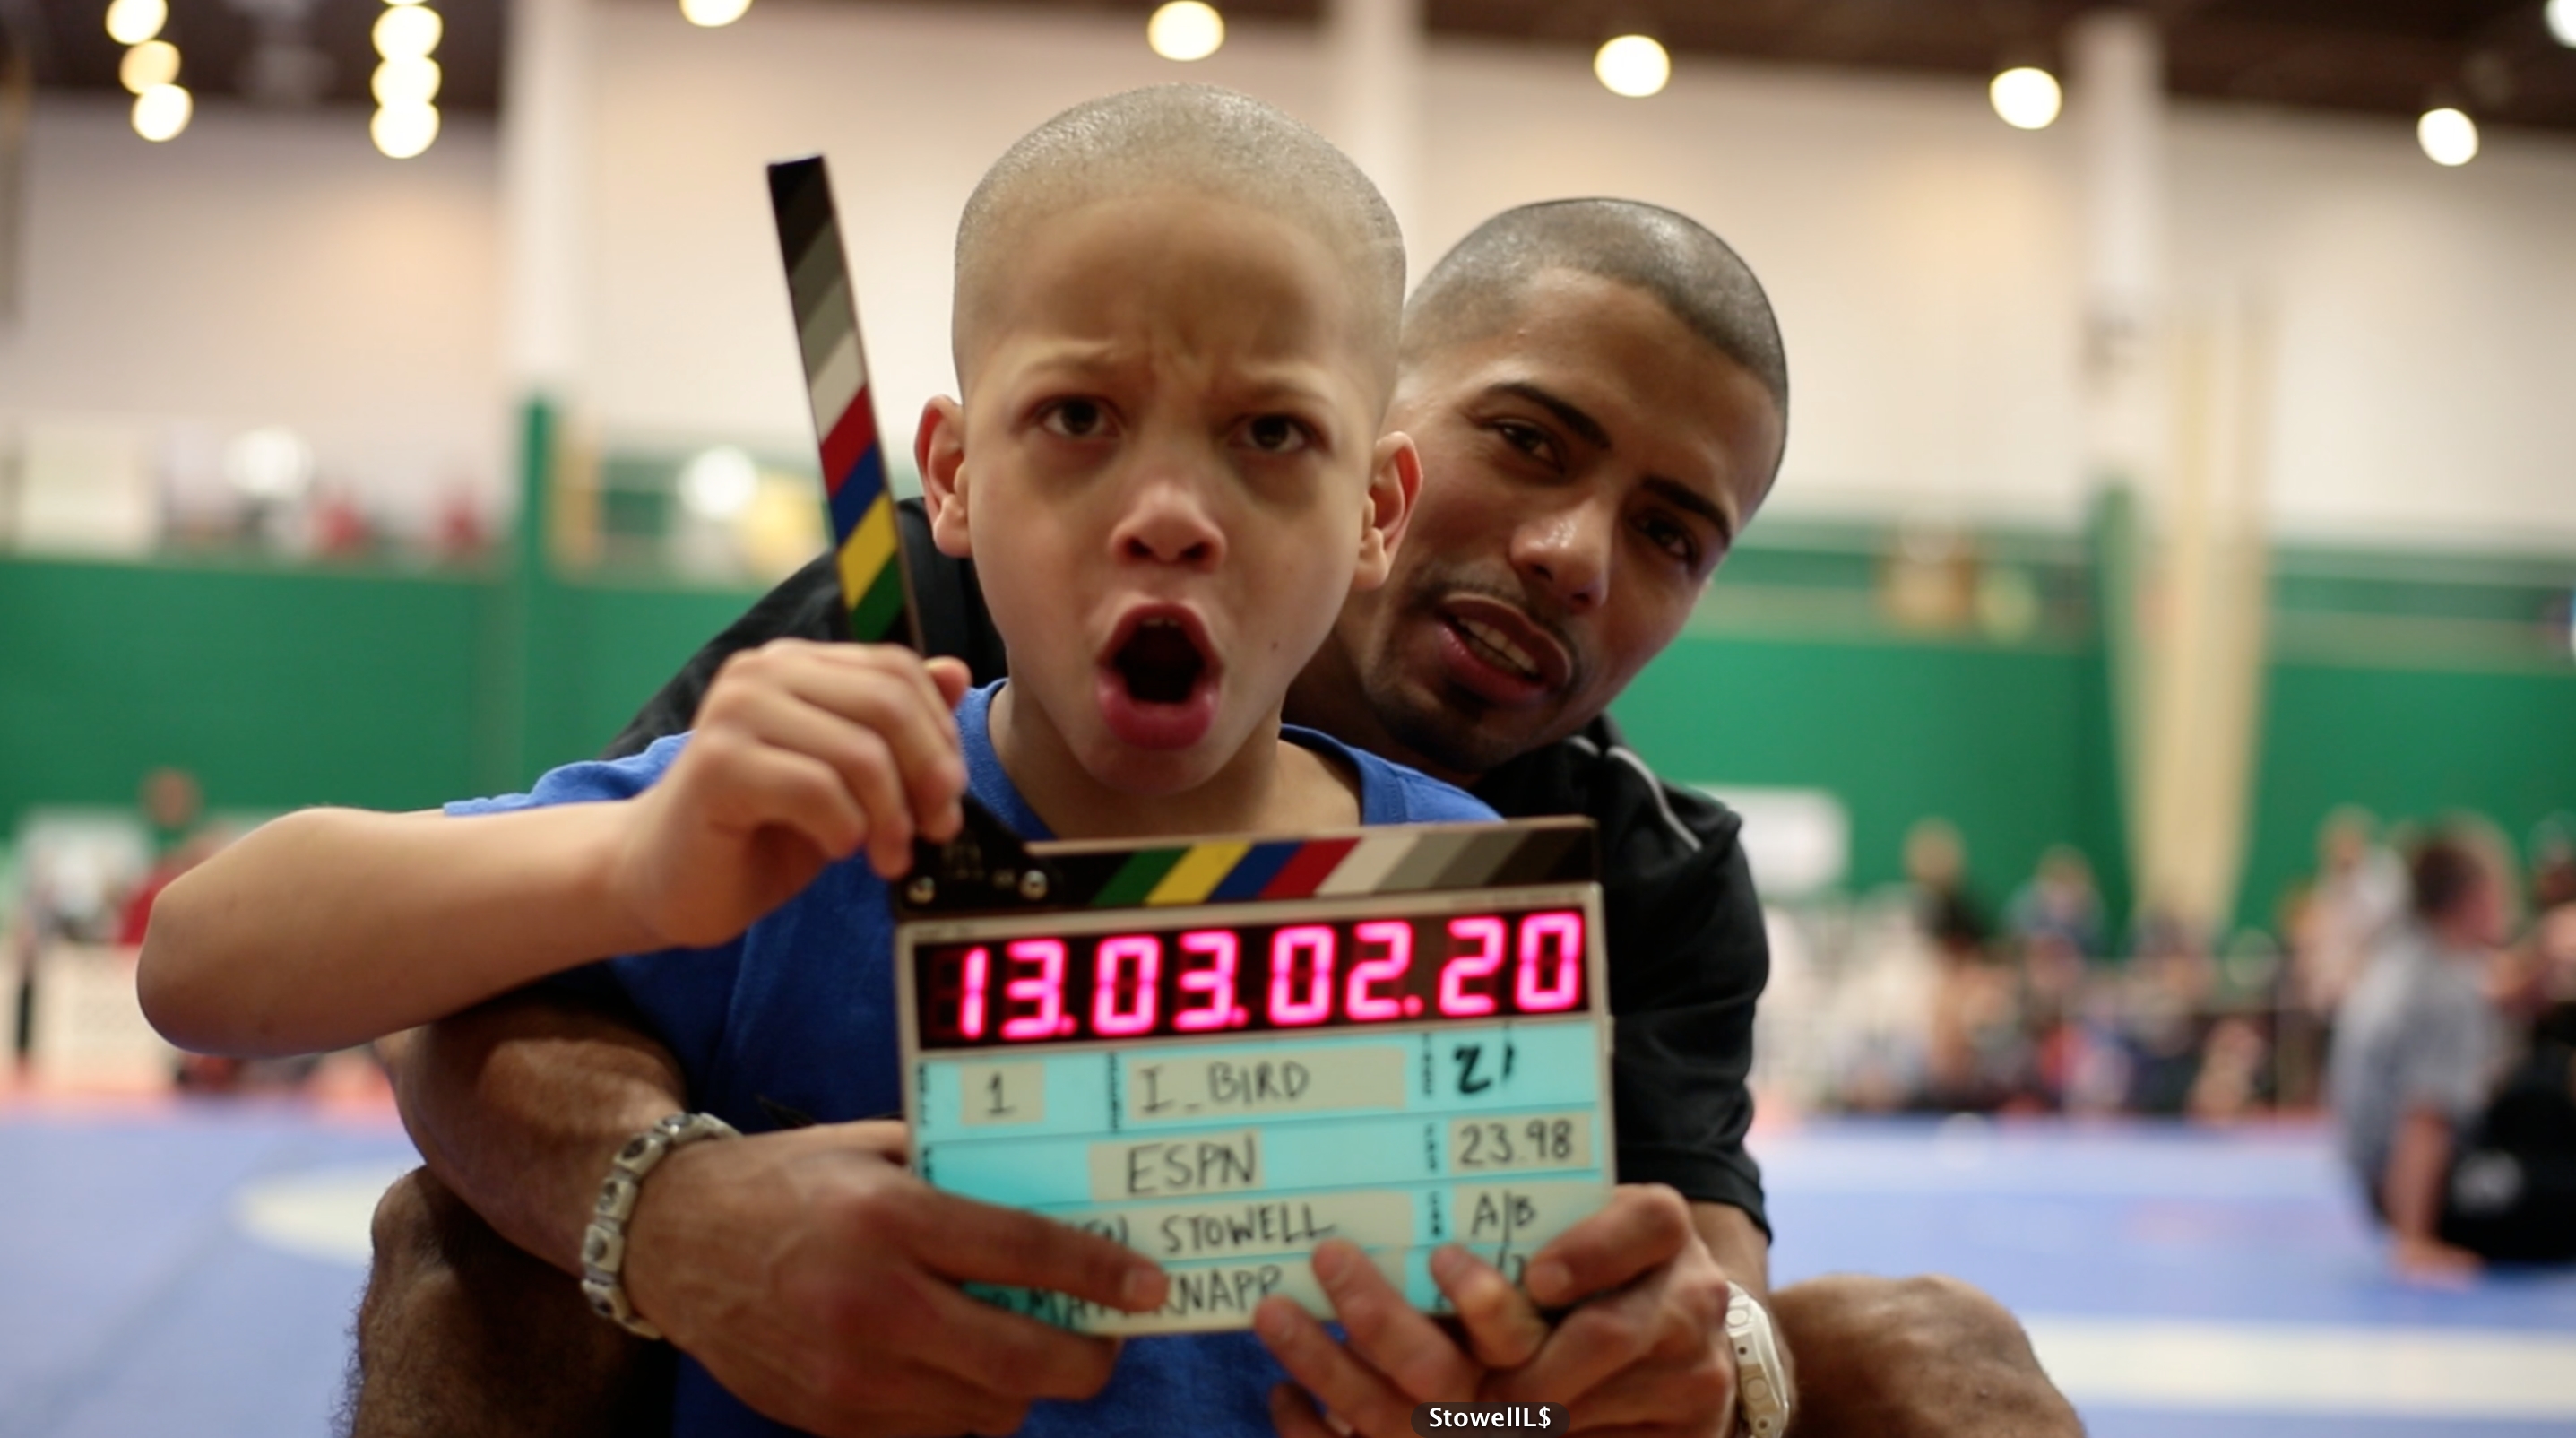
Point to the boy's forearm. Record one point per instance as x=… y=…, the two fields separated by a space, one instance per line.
x=518 y=1105
x=330 y=927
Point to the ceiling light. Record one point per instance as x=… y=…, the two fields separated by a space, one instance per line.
x=161 y=112
x=2449 y=136
x=2027 y=97
x=154 y=62
x=411 y=81
x=1185 y=30
x=1633 y=65
x=719 y=483
x=2562 y=21
x=407 y=31
x=131 y=22
x=402 y=131
x=709 y=14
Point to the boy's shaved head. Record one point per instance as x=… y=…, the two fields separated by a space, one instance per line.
x=1476 y=287
x=1193 y=137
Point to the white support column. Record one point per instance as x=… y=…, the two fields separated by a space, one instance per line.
x=1376 y=54
x=545 y=151
x=2118 y=83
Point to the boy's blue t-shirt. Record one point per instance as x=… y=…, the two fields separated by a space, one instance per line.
x=800 y=1011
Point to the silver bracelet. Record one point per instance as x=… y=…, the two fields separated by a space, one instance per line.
x=603 y=1244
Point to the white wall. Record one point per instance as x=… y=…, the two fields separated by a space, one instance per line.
x=1924 y=257
x=265 y=269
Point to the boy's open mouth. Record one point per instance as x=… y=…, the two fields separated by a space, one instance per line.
x=1158 y=680
x=1159 y=662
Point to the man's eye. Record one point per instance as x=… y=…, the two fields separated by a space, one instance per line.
x=1673 y=539
x=1276 y=434
x=1075 y=419
x=1529 y=439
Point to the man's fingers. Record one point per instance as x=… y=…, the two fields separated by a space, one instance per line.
x=980 y=1243
x=1644 y=1225
x=998 y=1351
x=1596 y=1341
x=1387 y=1333
x=1296 y=1416
x=1345 y=1385
x=1502 y=1327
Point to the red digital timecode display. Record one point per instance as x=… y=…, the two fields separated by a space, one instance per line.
x=1251 y=978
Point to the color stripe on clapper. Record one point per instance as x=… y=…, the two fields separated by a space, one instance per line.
x=1382 y=861
x=836 y=385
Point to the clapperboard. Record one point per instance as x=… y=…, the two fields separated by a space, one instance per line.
x=1222 y=1051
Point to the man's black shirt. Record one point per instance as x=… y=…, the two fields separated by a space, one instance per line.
x=1684 y=931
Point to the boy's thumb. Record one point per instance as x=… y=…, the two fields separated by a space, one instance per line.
x=953 y=678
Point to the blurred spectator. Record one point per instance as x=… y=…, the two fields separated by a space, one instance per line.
x=2417 y=1046
x=2553 y=867
x=2358 y=895
x=2171 y=980
x=1936 y=866
x=172 y=803
x=2060 y=904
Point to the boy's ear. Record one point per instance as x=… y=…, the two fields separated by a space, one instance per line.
x=1395 y=478
x=939 y=451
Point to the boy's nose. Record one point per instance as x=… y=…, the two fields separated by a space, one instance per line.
x=1567 y=552
x=1167 y=522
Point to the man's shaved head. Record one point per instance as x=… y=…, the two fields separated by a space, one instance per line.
x=1191 y=137
x=1476 y=288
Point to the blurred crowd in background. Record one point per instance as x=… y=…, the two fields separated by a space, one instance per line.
x=1932 y=997
x=1925 y=997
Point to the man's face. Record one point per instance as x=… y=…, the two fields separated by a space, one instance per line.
x=1585 y=467
x=1168 y=469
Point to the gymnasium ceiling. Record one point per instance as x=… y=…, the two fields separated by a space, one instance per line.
x=2389 y=57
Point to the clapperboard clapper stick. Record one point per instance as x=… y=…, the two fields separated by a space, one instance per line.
x=986 y=859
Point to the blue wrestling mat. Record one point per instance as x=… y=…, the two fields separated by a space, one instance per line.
x=193 y=1268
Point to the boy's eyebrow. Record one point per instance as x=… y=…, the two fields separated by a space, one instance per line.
x=1591 y=432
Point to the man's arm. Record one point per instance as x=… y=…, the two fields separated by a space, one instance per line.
x=752 y=1254
x=518 y=1106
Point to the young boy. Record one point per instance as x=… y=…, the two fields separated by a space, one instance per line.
x=1175 y=334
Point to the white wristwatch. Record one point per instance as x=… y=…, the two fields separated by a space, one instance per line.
x=1761 y=1381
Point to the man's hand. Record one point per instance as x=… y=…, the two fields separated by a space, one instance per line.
x=1644 y=1349
x=803 y=754
x=1398 y=1356
x=817 y=1280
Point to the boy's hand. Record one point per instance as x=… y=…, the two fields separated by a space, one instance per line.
x=818 y=1281
x=803 y=754
x=1642 y=1351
